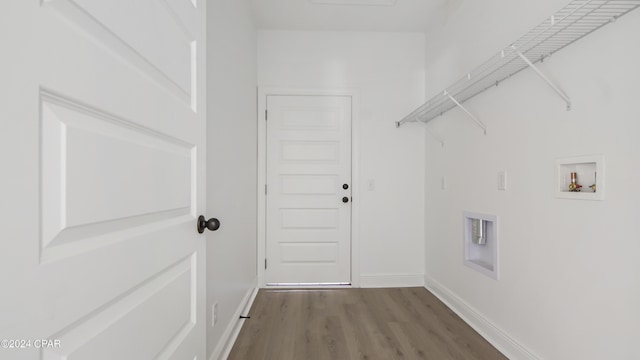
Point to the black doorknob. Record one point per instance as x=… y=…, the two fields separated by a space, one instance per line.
x=345 y=199
x=212 y=224
x=345 y=186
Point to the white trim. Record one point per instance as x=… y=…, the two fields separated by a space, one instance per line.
x=507 y=345
x=223 y=349
x=391 y=280
x=355 y=2
x=263 y=92
x=303 y=287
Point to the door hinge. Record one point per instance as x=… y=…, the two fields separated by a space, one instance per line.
x=265 y=264
x=265 y=189
x=266 y=117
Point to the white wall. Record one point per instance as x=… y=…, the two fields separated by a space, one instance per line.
x=231 y=163
x=569 y=278
x=387 y=71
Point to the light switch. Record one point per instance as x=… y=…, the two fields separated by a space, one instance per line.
x=502 y=180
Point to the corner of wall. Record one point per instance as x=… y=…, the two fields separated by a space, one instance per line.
x=231 y=130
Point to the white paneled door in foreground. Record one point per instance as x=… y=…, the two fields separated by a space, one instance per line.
x=103 y=173
x=308 y=201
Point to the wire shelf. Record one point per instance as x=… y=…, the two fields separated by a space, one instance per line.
x=574 y=21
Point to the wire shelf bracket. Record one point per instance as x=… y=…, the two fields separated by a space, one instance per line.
x=570 y=24
x=477 y=121
x=435 y=135
x=431 y=132
x=545 y=78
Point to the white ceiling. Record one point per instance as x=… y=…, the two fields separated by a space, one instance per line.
x=404 y=15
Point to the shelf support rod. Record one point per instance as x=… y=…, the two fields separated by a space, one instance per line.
x=544 y=77
x=434 y=134
x=480 y=123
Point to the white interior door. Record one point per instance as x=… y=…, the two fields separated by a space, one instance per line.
x=102 y=131
x=308 y=201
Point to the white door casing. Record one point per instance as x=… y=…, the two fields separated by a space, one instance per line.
x=308 y=166
x=102 y=127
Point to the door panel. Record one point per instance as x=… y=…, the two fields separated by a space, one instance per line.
x=103 y=152
x=302 y=153
x=141 y=175
x=309 y=218
x=157 y=37
x=308 y=160
x=308 y=184
x=129 y=316
x=150 y=27
x=309 y=252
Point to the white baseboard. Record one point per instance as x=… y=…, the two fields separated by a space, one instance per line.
x=230 y=334
x=395 y=280
x=508 y=346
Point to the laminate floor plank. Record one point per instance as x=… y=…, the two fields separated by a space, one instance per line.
x=366 y=324
x=377 y=344
x=459 y=335
x=285 y=332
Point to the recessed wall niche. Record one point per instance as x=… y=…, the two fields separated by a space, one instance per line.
x=580 y=177
x=480 y=233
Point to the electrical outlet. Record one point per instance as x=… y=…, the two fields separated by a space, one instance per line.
x=502 y=180
x=371 y=185
x=214 y=314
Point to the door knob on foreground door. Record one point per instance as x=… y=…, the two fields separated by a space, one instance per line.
x=212 y=224
x=345 y=199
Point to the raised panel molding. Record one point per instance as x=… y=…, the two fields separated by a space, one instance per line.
x=308 y=184
x=316 y=151
x=170 y=293
x=159 y=43
x=309 y=218
x=137 y=171
x=326 y=252
x=310 y=119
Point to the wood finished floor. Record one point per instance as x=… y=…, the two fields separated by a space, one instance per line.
x=385 y=324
